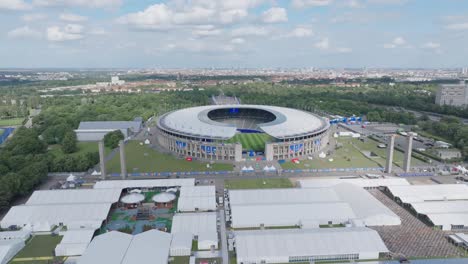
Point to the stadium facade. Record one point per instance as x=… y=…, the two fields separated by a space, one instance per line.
x=206 y=132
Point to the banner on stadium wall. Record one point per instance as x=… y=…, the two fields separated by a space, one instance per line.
x=208 y=149
x=181 y=144
x=296 y=148
x=317 y=142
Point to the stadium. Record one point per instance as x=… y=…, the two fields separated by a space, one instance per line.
x=234 y=132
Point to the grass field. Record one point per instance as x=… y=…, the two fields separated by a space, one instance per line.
x=251 y=141
x=39 y=246
x=11 y=122
x=257 y=183
x=83 y=148
x=144 y=159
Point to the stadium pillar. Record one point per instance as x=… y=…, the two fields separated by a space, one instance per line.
x=102 y=159
x=390 y=148
x=408 y=150
x=123 y=165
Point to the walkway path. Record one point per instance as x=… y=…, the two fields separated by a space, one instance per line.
x=224 y=246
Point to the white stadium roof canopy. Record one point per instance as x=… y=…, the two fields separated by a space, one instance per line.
x=277 y=246
x=123 y=184
x=195 y=122
x=74 y=196
x=433 y=192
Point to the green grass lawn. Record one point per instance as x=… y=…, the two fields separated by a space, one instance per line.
x=144 y=159
x=39 y=246
x=251 y=141
x=257 y=183
x=181 y=260
x=12 y=121
x=83 y=148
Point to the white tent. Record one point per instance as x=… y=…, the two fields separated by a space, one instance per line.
x=74 y=242
x=181 y=244
x=71 y=178
x=95 y=173
x=9 y=248
x=20 y=234
x=200 y=225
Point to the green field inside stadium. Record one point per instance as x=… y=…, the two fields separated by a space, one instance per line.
x=251 y=141
x=257 y=183
x=142 y=158
x=352 y=153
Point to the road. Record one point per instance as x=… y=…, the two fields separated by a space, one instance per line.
x=222 y=229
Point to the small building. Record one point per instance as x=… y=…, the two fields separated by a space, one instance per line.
x=447 y=154
x=96 y=130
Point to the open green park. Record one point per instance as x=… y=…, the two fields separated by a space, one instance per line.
x=12 y=121
x=251 y=141
x=142 y=158
x=83 y=148
x=352 y=152
x=39 y=249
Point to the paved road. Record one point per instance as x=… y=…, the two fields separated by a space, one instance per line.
x=222 y=229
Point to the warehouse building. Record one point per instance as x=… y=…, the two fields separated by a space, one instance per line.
x=115 y=247
x=443 y=205
x=201 y=226
x=344 y=203
x=96 y=130
x=197 y=198
x=298 y=245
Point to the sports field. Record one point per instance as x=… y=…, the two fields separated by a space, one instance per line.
x=142 y=158
x=251 y=141
x=257 y=183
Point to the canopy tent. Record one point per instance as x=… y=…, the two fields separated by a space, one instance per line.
x=133 y=198
x=164 y=197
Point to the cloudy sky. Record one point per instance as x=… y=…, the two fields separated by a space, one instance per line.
x=233 y=33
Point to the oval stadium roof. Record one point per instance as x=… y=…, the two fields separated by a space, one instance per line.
x=195 y=122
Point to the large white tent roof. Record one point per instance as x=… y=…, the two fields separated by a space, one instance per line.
x=119 y=248
x=449 y=219
x=164 y=197
x=280 y=244
x=9 y=248
x=194 y=121
x=433 y=192
x=132 y=198
x=194 y=223
x=74 y=196
x=90 y=215
x=193 y=198
x=278 y=196
x=123 y=184
x=74 y=242
x=440 y=207
x=361 y=182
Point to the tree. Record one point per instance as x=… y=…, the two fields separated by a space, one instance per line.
x=111 y=139
x=69 y=142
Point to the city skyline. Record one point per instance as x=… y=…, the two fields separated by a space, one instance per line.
x=233 y=34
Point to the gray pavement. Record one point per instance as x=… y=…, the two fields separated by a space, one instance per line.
x=222 y=229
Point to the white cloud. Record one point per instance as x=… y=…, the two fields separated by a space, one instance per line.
x=249 y=31
x=24 y=32
x=301 y=32
x=14 y=5
x=458 y=26
x=98 y=32
x=179 y=13
x=207 y=32
x=238 y=41
x=79 y=3
x=69 y=32
x=344 y=50
x=275 y=15
x=69 y=17
x=33 y=17
x=431 y=45
x=397 y=42
x=310 y=3
x=354 y=4
x=323 y=44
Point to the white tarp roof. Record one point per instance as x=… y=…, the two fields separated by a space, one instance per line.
x=280 y=244
x=9 y=248
x=74 y=242
x=434 y=192
x=441 y=207
x=281 y=196
x=90 y=215
x=194 y=223
x=361 y=182
x=122 y=184
x=255 y=215
x=202 y=198
x=74 y=196
x=20 y=234
x=449 y=219
x=119 y=248
x=182 y=240
x=362 y=204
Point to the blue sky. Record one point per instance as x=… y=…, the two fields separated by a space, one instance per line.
x=233 y=33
